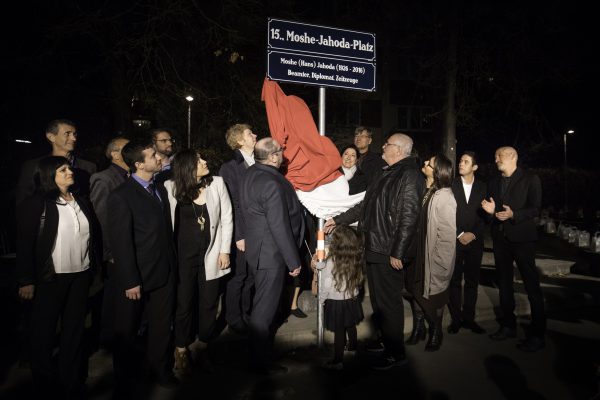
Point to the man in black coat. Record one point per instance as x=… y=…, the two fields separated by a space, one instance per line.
x=274 y=232
x=387 y=217
x=238 y=297
x=470 y=223
x=102 y=184
x=369 y=162
x=514 y=202
x=142 y=247
x=62 y=136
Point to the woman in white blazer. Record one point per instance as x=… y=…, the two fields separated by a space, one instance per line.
x=202 y=227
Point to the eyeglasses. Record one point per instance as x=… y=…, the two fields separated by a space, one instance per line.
x=165 y=140
x=390 y=144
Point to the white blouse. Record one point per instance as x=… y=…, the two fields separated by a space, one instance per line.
x=71 y=248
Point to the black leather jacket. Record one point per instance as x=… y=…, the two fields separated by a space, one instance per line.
x=388 y=214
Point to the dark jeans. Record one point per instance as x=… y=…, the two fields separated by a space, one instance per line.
x=505 y=253
x=385 y=291
x=468 y=264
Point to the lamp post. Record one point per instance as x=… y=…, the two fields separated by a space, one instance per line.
x=567 y=133
x=189 y=99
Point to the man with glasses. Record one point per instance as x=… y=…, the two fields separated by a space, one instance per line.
x=164 y=144
x=387 y=217
x=370 y=163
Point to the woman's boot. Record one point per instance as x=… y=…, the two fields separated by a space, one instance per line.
x=418 y=331
x=435 y=332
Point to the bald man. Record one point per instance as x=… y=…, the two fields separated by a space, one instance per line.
x=387 y=217
x=513 y=203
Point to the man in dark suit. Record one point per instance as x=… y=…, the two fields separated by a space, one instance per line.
x=62 y=135
x=369 y=162
x=274 y=232
x=470 y=222
x=141 y=242
x=102 y=185
x=238 y=297
x=514 y=202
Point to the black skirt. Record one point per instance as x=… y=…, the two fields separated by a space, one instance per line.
x=342 y=313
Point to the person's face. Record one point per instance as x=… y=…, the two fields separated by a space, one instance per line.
x=349 y=158
x=504 y=160
x=151 y=162
x=64 y=177
x=391 y=152
x=428 y=167
x=164 y=144
x=362 y=140
x=248 y=140
x=202 y=169
x=65 y=138
x=116 y=154
x=465 y=165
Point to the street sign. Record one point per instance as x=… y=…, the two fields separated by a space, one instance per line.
x=320 y=55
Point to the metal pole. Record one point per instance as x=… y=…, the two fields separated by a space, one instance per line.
x=565 y=172
x=320 y=315
x=189 y=124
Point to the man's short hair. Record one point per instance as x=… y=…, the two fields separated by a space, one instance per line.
x=262 y=152
x=112 y=146
x=154 y=132
x=52 y=126
x=234 y=134
x=362 y=129
x=132 y=152
x=472 y=155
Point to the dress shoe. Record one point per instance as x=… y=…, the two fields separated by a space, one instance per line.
x=474 y=327
x=504 y=333
x=454 y=327
x=389 y=362
x=532 y=344
x=298 y=313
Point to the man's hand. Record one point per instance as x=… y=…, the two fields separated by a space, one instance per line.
x=506 y=214
x=396 y=263
x=223 y=261
x=466 y=238
x=296 y=272
x=134 y=293
x=241 y=245
x=488 y=206
x=26 y=292
x=329 y=226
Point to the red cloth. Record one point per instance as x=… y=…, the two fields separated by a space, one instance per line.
x=313 y=160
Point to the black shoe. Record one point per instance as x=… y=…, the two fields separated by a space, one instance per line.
x=389 y=362
x=168 y=381
x=504 y=333
x=298 y=313
x=474 y=327
x=532 y=344
x=454 y=327
x=419 y=332
x=374 y=346
x=436 y=335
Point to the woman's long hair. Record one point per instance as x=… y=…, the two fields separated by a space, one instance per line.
x=45 y=176
x=185 y=165
x=346 y=252
x=442 y=172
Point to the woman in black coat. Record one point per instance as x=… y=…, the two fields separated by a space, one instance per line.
x=56 y=254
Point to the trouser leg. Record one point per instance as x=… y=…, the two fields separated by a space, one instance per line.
x=505 y=274
x=472 y=270
x=524 y=254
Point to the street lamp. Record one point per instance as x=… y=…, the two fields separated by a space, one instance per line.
x=189 y=99
x=567 y=133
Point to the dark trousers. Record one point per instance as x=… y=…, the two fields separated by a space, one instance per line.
x=468 y=264
x=385 y=292
x=194 y=291
x=159 y=307
x=339 y=341
x=505 y=253
x=238 y=291
x=269 y=285
x=108 y=307
x=65 y=298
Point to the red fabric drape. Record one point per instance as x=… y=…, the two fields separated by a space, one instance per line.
x=313 y=160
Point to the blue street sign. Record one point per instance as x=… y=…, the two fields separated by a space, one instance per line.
x=320 y=40
x=322 y=71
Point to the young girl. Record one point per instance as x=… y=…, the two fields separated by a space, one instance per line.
x=342 y=274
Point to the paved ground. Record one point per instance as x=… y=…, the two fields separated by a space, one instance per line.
x=468 y=366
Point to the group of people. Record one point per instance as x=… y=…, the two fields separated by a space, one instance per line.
x=162 y=232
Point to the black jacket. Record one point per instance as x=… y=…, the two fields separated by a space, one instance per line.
x=371 y=165
x=388 y=214
x=524 y=196
x=34 y=247
x=233 y=172
x=470 y=217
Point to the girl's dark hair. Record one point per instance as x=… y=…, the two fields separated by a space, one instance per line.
x=350 y=146
x=442 y=172
x=185 y=165
x=346 y=252
x=45 y=176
